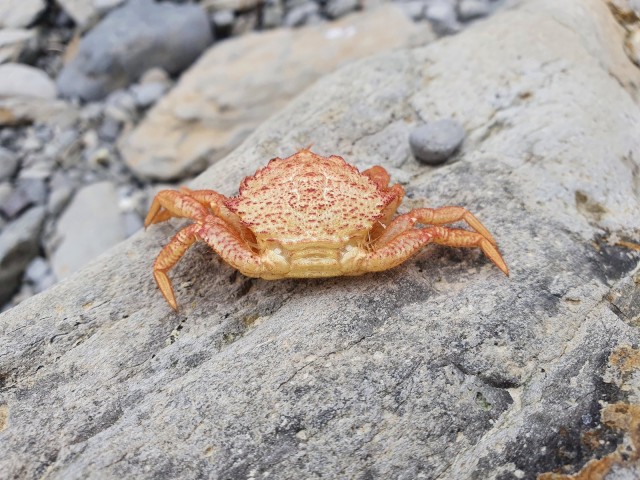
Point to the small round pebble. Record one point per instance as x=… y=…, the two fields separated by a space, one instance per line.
x=434 y=142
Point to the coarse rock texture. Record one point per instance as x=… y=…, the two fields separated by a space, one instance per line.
x=213 y=109
x=440 y=368
x=89 y=226
x=130 y=40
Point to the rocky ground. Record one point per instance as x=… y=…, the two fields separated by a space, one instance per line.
x=442 y=368
x=101 y=103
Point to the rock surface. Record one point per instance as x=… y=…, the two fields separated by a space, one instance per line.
x=212 y=110
x=89 y=226
x=17 y=80
x=12 y=42
x=84 y=12
x=440 y=368
x=8 y=164
x=132 y=39
x=19 y=13
x=25 y=110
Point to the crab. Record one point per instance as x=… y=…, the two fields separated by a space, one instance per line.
x=309 y=216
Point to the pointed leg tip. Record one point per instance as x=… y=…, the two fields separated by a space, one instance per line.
x=499 y=262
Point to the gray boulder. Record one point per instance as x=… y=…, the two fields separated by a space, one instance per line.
x=20 y=13
x=90 y=225
x=440 y=368
x=17 y=80
x=130 y=40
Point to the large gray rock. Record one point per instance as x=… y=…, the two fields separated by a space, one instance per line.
x=239 y=83
x=441 y=368
x=90 y=225
x=18 y=246
x=131 y=39
x=18 y=80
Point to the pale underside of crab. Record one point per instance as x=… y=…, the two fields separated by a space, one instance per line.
x=309 y=216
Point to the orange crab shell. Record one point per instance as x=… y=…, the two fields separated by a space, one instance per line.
x=307 y=198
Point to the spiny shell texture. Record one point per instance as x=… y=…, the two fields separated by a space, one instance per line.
x=309 y=198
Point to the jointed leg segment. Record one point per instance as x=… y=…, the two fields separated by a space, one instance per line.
x=222 y=238
x=433 y=216
x=169 y=203
x=169 y=256
x=407 y=243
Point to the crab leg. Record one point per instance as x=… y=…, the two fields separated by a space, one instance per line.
x=387 y=214
x=215 y=201
x=224 y=241
x=407 y=243
x=432 y=216
x=169 y=256
x=380 y=177
x=230 y=246
x=175 y=204
x=207 y=198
